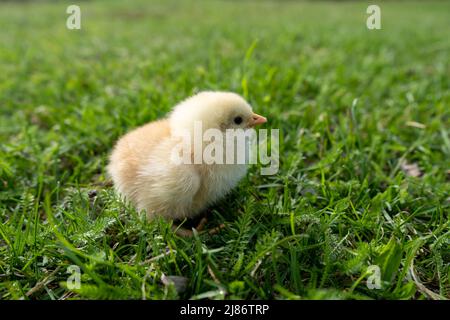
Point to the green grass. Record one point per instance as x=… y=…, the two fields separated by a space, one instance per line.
x=342 y=96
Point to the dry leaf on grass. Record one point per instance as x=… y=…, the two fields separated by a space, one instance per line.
x=416 y=124
x=411 y=169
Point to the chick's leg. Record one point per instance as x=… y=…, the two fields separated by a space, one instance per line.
x=217 y=229
x=201 y=224
x=183 y=232
x=186 y=233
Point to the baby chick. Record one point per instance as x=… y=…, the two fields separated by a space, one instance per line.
x=143 y=172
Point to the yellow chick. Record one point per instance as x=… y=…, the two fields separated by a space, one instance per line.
x=142 y=167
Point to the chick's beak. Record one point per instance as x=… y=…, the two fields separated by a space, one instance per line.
x=257 y=119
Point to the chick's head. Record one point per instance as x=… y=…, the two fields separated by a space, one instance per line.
x=214 y=110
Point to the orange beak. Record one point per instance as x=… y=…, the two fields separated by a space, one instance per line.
x=257 y=119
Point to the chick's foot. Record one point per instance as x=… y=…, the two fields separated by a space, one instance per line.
x=183 y=232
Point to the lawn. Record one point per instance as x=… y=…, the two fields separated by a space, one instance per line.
x=364 y=176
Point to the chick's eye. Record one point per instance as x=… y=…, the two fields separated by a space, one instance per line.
x=238 y=120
